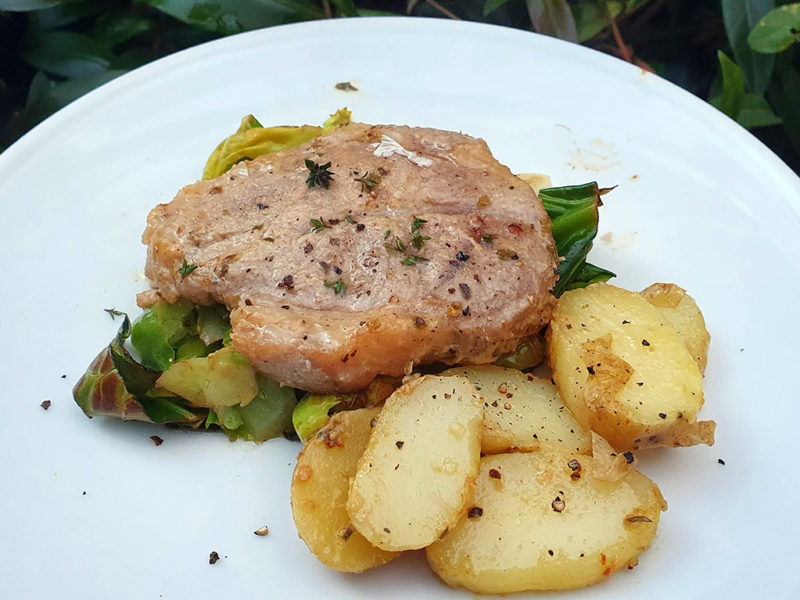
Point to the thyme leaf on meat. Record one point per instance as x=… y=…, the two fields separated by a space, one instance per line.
x=487 y=238
x=368 y=181
x=185 y=269
x=318 y=225
x=417 y=239
x=318 y=175
x=413 y=260
x=338 y=287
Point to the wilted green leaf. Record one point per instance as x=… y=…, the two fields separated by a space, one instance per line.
x=66 y=54
x=740 y=16
x=730 y=102
x=777 y=31
x=553 y=18
x=492 y=5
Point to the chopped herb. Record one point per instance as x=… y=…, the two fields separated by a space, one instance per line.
x=417 y=240
x=387 y=234
x=349 y=219
x=185 y=269
x=368 y=181
x=417 y=224
x=398 y=245
x=487 y=238
x=338 y=287
x=412 y=260
x=114 y=313
x=318 y=175
x=318 y=225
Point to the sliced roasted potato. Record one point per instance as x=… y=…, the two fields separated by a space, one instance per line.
x=522 y=412
x=320 y=486
x=623 y=371
x=541 y=521
x=682 y=312
x=608 y=463
x=418 y=470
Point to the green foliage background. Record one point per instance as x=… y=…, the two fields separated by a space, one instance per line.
x=740 y=55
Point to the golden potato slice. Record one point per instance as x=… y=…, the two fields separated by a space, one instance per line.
x=418 y=470
x=320 y=486
x=608 y=463
x=541 y=521
x=682 y=312
x=522 y=412
x=623 y=371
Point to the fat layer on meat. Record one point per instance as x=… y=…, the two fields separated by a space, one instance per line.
x=481 y=284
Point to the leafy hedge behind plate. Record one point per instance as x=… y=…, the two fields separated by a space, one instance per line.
x=740 y=55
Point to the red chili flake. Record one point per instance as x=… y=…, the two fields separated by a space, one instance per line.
x=602 y=558
x=46 y=404
x=156 y=440
x=475 y=512
x=514 y=229
x=213 y=557
x=494 y=474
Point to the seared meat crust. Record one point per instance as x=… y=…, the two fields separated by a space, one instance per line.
x=481 y=284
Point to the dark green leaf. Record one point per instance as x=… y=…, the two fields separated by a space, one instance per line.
x=170 y=410
x=777 y=31
x=756 y=112
x=733 y=85
x=589 y=274
x=66 y=54
x=492 y=5
x=138 y=379
x=345 y=8
x=115 y=30
x=64 y=14
x=553 y=18
x=783 y=94
x=740 y=16
x=28 y=5
x=592 y=17
x=225 y=17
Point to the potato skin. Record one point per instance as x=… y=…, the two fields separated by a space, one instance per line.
x=522 y=412
x=624 y=372
x=682 y=312
x=533 y=526
x=418 y=470
x=320 y=486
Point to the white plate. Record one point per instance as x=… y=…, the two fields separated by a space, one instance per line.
x=700 y=202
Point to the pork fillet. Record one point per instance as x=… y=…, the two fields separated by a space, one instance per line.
x=369 y=288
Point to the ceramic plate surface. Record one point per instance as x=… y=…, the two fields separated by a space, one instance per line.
x=92 y=509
